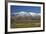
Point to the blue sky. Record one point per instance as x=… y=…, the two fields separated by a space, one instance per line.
x=35 y=9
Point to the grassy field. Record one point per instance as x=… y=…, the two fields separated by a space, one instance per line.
x=25 y=24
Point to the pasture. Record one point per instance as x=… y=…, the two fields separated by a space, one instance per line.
x=25 y=23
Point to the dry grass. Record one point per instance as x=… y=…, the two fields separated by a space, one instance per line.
x=25 y=24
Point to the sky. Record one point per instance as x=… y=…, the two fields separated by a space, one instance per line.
x=35 y=9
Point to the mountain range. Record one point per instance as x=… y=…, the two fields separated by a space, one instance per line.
x=25 y=16
x=22 y=13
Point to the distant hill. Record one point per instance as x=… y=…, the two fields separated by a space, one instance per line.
x=26 y=16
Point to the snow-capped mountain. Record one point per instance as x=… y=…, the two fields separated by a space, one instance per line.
x=22 y=13
x=25 y=16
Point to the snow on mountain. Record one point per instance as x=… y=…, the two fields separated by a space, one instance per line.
x=22 y=13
